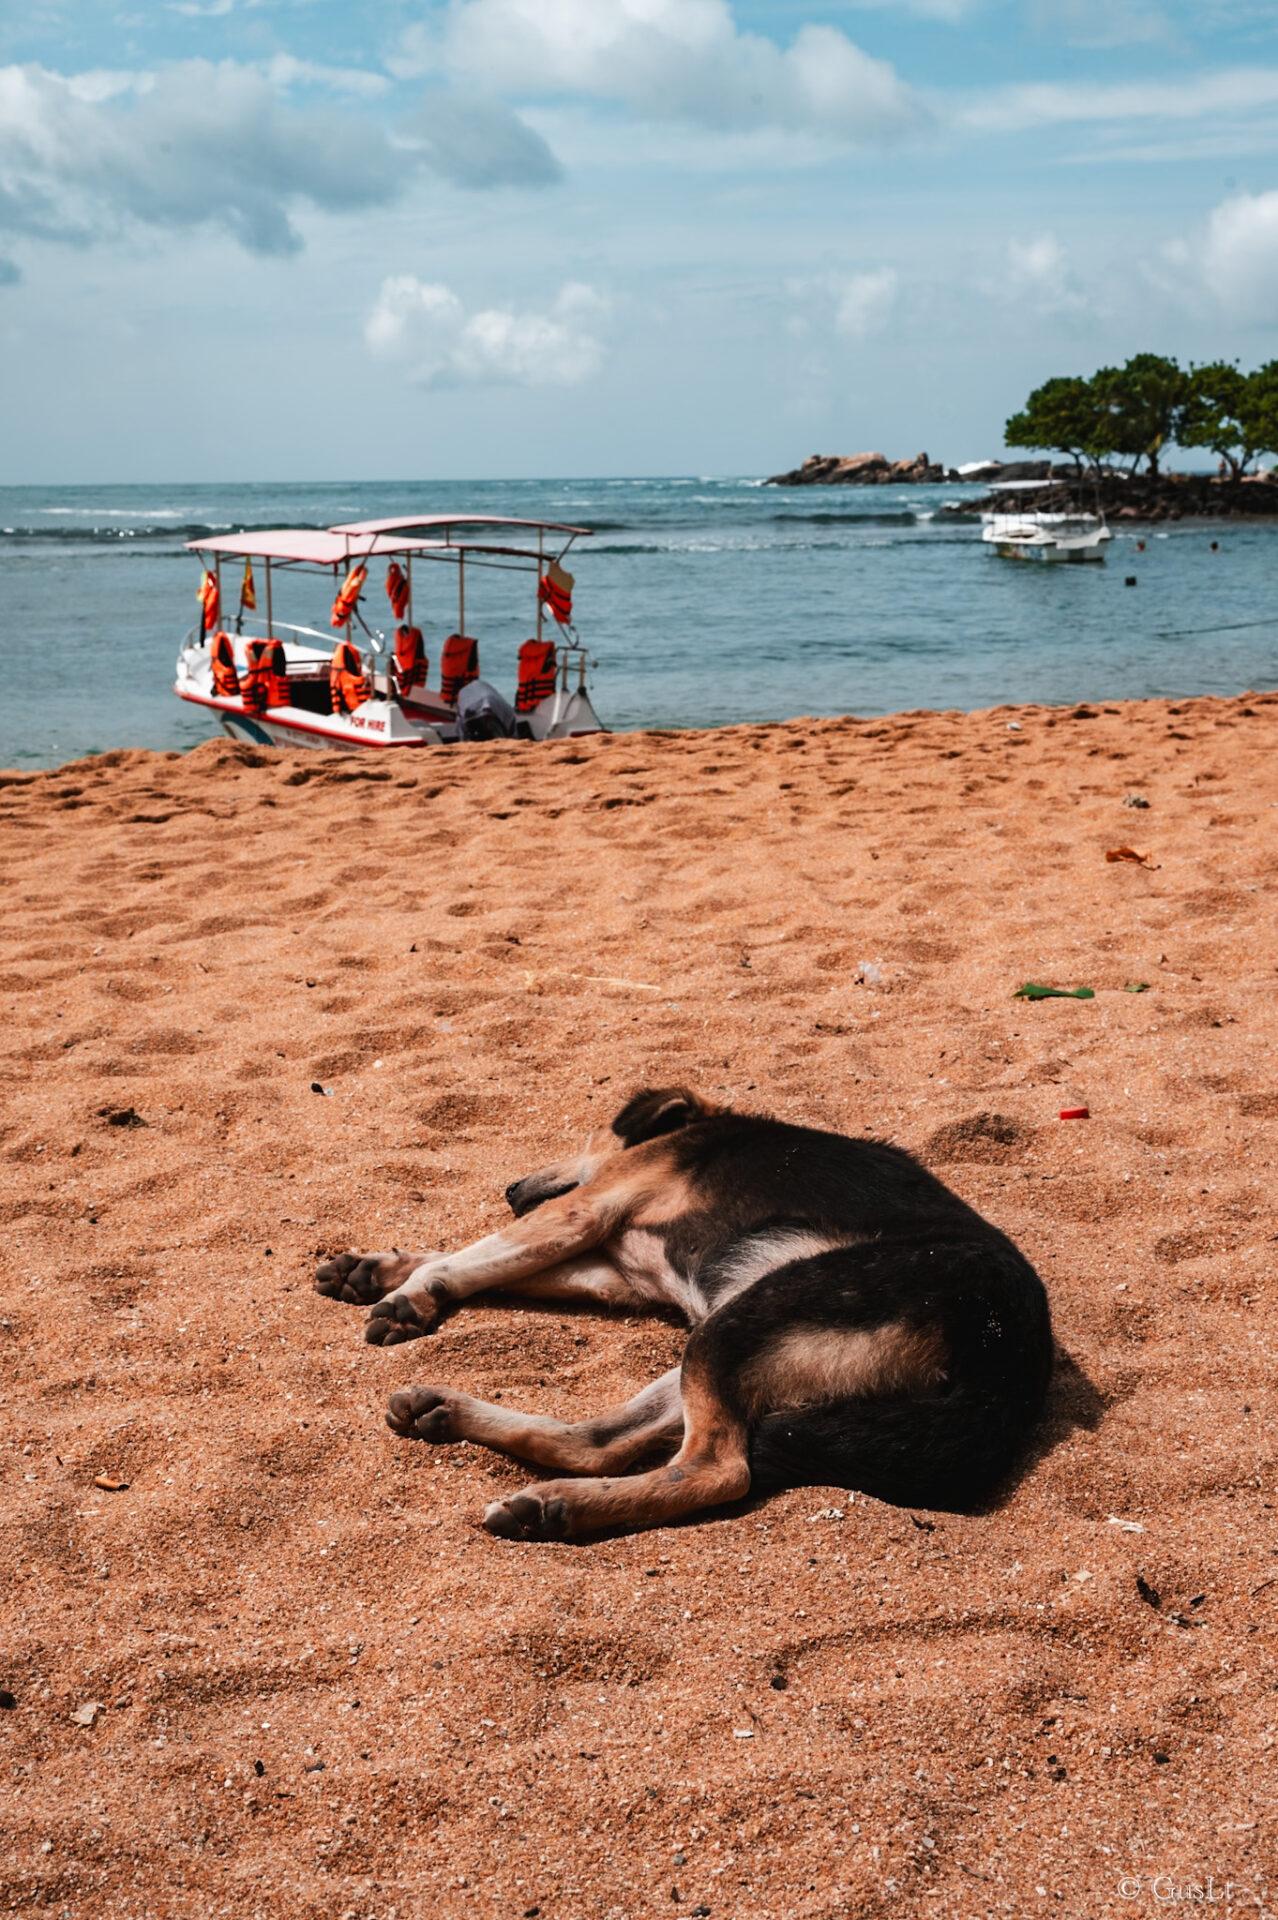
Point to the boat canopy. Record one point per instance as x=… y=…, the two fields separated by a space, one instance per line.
x=406 y=521
x=305 y=546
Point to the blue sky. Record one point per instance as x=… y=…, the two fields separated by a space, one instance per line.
x=273 y=239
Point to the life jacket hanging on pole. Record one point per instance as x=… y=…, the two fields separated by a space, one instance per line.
x=266 y=681
x=344 y=605
x=411 y=664
x=397 y=590
x=537 y=661
x=210 y=599
x=554 y=590
x=458 y=666
x=346 y=678
x=226 y=681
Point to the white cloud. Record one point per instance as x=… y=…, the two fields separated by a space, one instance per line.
x=215 y=144
x=1101 y=23
x=1014 y=109
x=1038 y=271
x=427 y=328
x=201 y=143
x=1236 y=258
x=865 y=303
x=668 y=60
x=478 y=142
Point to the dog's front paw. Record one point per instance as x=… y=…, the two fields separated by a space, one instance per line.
x=527 y=1516
x=422 y=1413
x=399 y=1317
x=363 y=1278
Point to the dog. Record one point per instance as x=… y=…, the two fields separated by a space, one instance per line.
x=854 y=1323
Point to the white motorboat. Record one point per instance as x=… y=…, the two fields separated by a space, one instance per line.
x=1046 y=536
x=277 y=683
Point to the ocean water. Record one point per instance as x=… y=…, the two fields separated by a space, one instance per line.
x=703 y=601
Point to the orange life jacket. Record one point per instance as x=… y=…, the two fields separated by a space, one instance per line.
x=537 y=661
x=554 y=590
x=210 y=599
x=458 y=666
x=346 y=678
x=226 y=681
x=352 y=587
x=266 y=682
x=397 y=589
x=411 y=664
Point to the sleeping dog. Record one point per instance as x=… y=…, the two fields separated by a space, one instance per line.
x=854 y=1323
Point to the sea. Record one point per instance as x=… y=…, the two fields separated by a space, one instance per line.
x=703 y=601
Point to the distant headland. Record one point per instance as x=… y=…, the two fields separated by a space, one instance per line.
x=1131 y=414
x=1119 y=495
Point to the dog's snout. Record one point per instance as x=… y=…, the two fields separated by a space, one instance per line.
x=512 y=1195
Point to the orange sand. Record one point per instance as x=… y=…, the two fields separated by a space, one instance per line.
x=320 y=1690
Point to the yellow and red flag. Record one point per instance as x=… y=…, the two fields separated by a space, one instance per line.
x=248 y=591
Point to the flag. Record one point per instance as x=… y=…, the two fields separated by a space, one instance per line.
x=248 y=592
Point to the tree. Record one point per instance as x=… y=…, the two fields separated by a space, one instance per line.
x=1062 y=415
x=1142 y=402
x=1213 y=415
x=1258 y=415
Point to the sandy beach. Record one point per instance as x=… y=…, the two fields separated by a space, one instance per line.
x=257 y=1656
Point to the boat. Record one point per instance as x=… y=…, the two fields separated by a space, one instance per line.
x=1046 y=536
x=1070 y=535
x=359 y=685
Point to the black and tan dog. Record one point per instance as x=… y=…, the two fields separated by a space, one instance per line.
x=854 y=1323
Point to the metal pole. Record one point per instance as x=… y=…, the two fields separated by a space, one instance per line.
x=270 y=629
x=541 y=538
x=461 y=594
x=217 y=562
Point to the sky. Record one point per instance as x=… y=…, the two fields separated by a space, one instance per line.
x=320 y=239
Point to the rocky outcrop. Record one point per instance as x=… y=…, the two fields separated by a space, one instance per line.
x=858 y=470
x=1141 y=497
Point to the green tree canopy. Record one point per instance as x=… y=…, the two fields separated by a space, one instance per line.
x=1063 y=415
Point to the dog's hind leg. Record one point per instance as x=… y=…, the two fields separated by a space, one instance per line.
x=710 y=1467
x=608 y=1443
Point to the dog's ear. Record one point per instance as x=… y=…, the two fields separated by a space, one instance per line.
x=657 y=1110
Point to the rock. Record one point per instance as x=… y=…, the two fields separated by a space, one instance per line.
x=858 y=470
x=86 y=1715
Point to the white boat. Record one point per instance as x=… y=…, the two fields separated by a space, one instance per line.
x=1046 y=536
x=317 y=695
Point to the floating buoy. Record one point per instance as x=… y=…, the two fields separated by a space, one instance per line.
x=1130 y=581
x=1215 y=546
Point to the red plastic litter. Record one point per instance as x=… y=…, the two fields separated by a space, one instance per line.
x=1075 y=1113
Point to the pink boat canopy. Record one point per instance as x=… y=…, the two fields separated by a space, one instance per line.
x=405 y=521
x=305 y=546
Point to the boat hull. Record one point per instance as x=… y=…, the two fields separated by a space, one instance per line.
x=1050 y=553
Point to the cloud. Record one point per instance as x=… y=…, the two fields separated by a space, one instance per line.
x=10 y=273
x=1236 y=258
x=1015 y=109
x=201 y=143
x=215 y=144
x=1101 y=23
x=426 y=327
x=669 y=60
x=481 y=142
x=1039 y=273
x=865 y=303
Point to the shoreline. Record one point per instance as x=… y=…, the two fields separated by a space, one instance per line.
x=224 y=1566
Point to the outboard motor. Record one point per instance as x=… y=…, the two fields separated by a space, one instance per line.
x=483 y=714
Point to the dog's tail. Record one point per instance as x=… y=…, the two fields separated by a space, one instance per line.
x=945 y=1452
